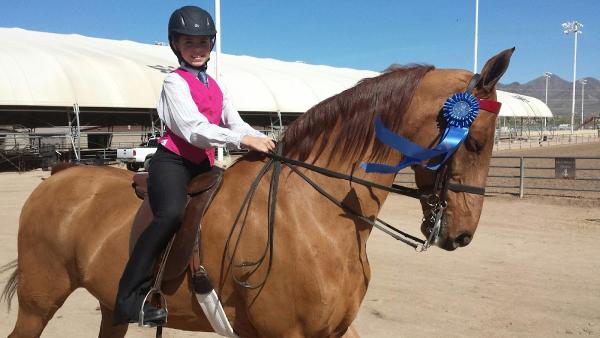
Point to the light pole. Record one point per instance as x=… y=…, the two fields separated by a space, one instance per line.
x=547 y=75
x=218 y=59
x=218 y=39
x=476 y=36
x=575 y=28
x=583 y=83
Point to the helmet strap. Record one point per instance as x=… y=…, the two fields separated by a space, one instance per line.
x=201 y=68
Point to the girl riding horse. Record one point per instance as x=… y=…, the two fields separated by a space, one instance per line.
x=199 y=116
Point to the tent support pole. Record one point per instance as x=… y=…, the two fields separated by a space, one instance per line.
x=76 y=106
x=75 y=131
x=72 y=133
x=152 y=125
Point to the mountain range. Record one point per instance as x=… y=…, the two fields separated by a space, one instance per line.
x=560 y=95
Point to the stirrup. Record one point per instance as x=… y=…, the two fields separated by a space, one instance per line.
x=162 y=304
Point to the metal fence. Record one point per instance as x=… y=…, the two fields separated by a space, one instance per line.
x=537 y=175
x=544 y=141
x=543 y=175
x=25 y=159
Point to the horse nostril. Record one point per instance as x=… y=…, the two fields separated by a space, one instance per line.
x=463 y=240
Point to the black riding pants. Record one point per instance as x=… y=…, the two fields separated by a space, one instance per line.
x=169 y=176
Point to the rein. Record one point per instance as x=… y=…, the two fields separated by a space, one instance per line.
x=395 y=188
x=275 y=161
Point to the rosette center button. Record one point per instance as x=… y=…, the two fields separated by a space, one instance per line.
x=461 y=109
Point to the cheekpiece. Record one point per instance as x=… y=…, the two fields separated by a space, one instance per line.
x=460 y=110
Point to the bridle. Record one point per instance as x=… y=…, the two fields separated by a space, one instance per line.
x=436 y=200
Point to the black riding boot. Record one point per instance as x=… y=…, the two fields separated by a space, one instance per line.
x=167 y=184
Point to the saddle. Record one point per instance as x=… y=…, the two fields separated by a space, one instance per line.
x=185 y=249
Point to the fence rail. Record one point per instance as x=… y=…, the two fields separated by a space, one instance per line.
x=537 y=175
x=536 y=141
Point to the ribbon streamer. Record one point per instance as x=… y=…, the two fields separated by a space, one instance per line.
x=459 y=110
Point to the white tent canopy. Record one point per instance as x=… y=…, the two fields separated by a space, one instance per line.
x=517 y=105
x=59 y=70
x=47 y=69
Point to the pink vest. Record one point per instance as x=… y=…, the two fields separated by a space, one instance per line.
x=209 y=101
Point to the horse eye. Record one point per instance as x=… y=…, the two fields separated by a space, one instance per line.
x=473 y=145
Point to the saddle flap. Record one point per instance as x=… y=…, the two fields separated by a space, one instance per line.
x=140 y=184
x=205 y=181
x=202 y=190
x=142 y=219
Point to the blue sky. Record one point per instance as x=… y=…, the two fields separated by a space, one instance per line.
x=351 y=33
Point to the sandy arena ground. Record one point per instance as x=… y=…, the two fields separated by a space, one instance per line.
x=532 y=270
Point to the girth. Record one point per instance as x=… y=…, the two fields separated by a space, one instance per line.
x=184 y=251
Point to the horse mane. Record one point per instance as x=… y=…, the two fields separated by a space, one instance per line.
x=353 y=111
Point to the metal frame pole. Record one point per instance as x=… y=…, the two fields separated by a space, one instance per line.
x=69 y=127
x=574 y=84
x=73 y=134
x=152 y=126
x=78 y=131
x=217 y=59
x=521 y=177
x=218 y=39
x=547 y=75
x=575 y=28
x=583 y=83
x=280 y=125
x=476 y=36
x=546 y=101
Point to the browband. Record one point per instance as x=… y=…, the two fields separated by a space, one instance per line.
x=490 y=105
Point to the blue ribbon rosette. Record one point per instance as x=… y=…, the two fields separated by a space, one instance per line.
x=459 y=111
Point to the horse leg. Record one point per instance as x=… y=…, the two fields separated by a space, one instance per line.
x=107 y=330
x=42 y=289
x=351 y=333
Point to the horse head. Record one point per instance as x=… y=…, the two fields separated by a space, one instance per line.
x=467 y=169
x=338 y=133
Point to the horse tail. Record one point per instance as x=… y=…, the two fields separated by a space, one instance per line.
x=13 y=281
x=62 y=166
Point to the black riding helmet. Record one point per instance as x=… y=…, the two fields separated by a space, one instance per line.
x=190 y=20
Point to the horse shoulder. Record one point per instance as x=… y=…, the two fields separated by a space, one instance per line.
x=314 y=278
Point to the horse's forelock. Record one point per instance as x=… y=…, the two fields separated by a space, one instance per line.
x=352 y=113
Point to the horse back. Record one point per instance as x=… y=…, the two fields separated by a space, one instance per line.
x=78 y=214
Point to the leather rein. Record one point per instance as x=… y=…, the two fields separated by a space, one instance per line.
x=437 y=201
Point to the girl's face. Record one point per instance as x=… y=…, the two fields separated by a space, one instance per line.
x=195 y=49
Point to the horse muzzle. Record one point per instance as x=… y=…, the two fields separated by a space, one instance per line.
x=453 y=243
x=440 y=237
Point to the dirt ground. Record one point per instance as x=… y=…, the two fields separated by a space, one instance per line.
x=532 y=270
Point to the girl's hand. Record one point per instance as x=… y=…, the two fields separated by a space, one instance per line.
x=263 y=144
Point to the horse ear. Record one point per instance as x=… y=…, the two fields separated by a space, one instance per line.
x=493 y=70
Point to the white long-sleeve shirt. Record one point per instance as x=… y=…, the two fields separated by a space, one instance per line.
x=177 y=110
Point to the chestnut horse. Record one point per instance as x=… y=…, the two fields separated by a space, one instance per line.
x=74 y=228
